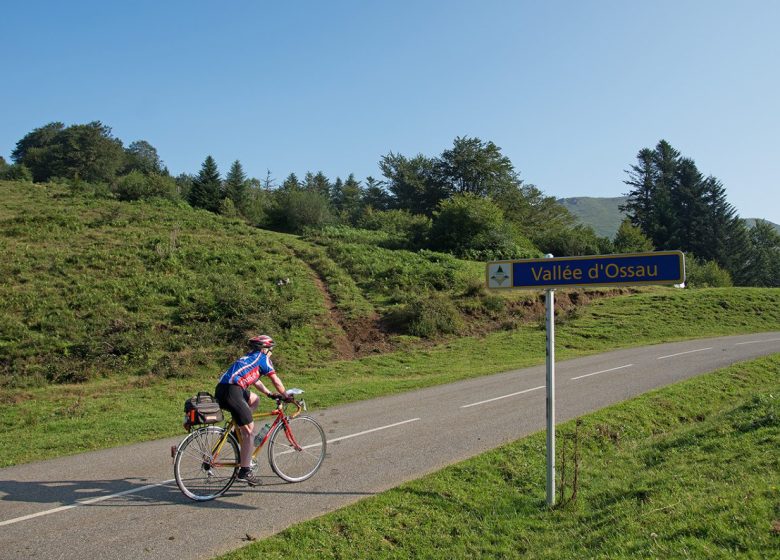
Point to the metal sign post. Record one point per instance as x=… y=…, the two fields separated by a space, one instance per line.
x=550 y=309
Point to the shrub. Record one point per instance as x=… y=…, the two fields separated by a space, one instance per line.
x=135 y=186
x=297 y=210
x=347 y=234
x=427 y=317
x=630 y=239
x=16 y=172
x=575 y=241
x=473 y=227
x=705 y=274
x=227 y=208
x=409 y=230
x=84 y=189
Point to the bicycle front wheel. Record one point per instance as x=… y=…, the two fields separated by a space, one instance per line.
x=202 y=474
x=296 y=451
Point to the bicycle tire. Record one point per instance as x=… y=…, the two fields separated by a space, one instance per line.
x=196 y=475
x=296 y=464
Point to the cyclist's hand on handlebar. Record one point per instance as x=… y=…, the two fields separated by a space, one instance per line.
x=274 y=396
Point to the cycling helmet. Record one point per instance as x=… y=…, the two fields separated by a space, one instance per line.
x=261 y=341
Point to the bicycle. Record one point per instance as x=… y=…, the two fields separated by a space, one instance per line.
x=206 y=462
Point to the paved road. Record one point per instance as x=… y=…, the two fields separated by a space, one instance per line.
x=122 y=503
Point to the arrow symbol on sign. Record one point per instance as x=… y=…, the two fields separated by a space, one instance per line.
x=500 y=276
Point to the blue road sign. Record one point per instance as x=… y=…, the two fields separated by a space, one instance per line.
x=662 y=267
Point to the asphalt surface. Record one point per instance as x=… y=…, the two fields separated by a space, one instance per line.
x=122 y=503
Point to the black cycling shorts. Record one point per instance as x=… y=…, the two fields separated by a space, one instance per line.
x=234 y=399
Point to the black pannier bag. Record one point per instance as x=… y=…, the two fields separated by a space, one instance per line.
x=202 y=409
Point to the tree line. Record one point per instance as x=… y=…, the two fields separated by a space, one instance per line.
x=468 y=201
x=677 y=207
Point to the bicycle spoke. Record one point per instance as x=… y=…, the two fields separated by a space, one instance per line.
x=197 y=475
x=297 y=451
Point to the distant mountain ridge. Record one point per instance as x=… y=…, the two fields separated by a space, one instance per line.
x=604 y=214
x=752 y=221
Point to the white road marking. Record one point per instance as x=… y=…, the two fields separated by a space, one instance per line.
x=602 y=371
x=149 y=486
x=84 y=502
x=758 y=341
x=502 y=397
x=342 y=438
x=681 y=353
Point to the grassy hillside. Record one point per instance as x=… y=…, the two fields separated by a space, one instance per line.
x=97 y=288
x=132 y=307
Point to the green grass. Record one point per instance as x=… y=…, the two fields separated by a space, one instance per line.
x=112 y=313
x=97 y=288
x=75 y=417
x=389 y=276
x=664 y=475
x=344 y=291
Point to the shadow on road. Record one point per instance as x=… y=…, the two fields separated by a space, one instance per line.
x=95 y=493
x=138 y=492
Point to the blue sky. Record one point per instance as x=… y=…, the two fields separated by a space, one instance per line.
x=570 y=90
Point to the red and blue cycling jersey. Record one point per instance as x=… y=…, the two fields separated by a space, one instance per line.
x=246 y=370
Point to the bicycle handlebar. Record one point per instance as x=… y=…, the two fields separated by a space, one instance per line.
x=288 y=397
x=281 y=401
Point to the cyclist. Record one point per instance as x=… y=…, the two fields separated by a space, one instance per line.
x=233 y=394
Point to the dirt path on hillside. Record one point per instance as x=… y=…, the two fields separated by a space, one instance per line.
x=342 y=346
x=351 y=338
x=354 y=338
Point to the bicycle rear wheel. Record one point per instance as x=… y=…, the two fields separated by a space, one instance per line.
x=297 y=454
x=199 y=474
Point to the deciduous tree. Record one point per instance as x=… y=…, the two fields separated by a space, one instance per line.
x=412 y=182
x=86 y=152
x=476 y=167
x=142 y=156
x=763 y=260
x=630 y=239
x=474 y=227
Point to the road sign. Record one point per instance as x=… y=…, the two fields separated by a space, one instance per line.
x=661 y=267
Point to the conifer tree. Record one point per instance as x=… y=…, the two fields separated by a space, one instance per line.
x=318 y=183
x=375 y=195
x=206 y=191
x=291 y=183
x=349 y=201
x=678 y=208
x=236 y=185
x=336 y=192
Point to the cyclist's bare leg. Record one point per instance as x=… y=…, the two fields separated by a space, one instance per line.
x=247 y=441
x=254 y=400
